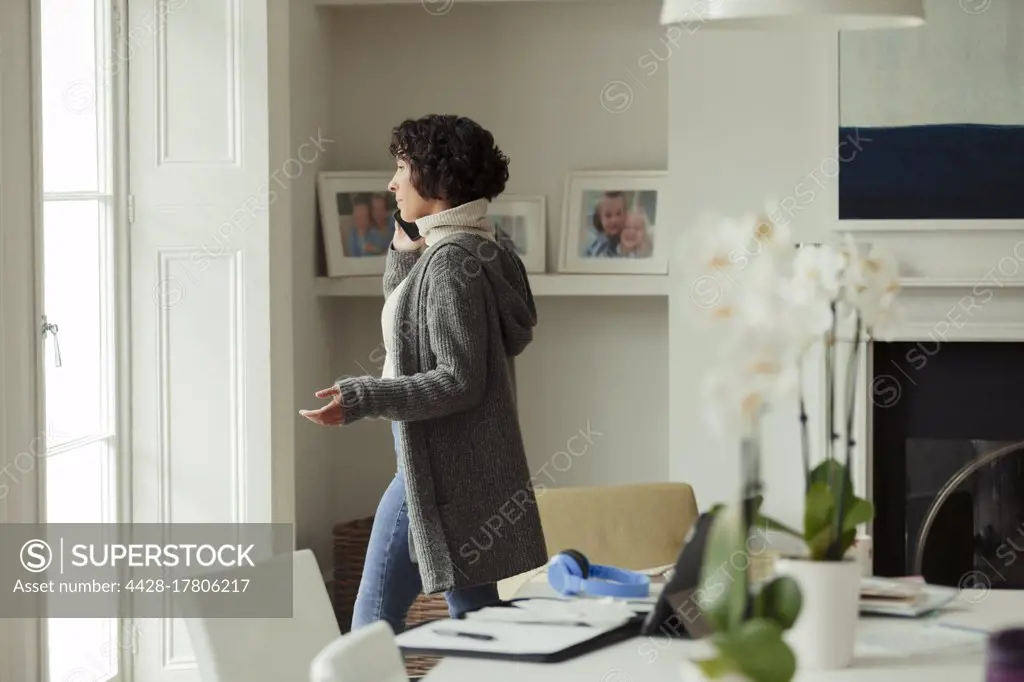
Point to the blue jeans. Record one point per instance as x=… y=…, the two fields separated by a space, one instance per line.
x=391 y=581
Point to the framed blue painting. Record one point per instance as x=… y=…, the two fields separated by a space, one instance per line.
x=938 y=112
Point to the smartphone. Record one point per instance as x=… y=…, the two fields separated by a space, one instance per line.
x=409 y=228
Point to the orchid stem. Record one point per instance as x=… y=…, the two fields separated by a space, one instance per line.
x=804 y=441
x=851 y=390
x=830 y=377
x=851 y=396
x=750 y=457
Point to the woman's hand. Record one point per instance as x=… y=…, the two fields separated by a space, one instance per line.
x=330 y=414
x=401 y=241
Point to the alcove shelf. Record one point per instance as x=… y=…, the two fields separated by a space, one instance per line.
x=436 y=7
x=542 y=285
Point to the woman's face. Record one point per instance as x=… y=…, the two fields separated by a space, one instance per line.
x=613 y=215
x=410 y=203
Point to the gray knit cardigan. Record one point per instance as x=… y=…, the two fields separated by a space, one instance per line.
x=466 y=311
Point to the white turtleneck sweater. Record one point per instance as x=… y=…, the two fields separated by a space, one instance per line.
x=468 y=217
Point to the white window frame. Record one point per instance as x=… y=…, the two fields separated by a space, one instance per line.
x=110 y=192
x=112 y=42
x=22 y=655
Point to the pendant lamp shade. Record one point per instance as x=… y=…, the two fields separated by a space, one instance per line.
x=839 y=15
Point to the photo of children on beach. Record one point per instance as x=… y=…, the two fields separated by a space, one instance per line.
x=618 y=223
x=366 y=222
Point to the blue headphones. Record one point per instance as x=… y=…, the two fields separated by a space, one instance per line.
x=570 y=573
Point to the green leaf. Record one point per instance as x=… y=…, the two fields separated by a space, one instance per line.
x=835 y=477
x=769 y=522
x=830 y=483
x=819 y=544
x=819 y=508
x=758 y=650
x=772 y=524
x=780 y=601
x=860 y=511
x=713 y=668
x=722 y=591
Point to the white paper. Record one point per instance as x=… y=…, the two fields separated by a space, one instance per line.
x=930 y=598
x=981 y=612
x=909 y=642
x=583 y=609
x=509 y=638
x=556 y=611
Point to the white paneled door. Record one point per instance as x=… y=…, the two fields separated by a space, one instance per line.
x=200 y=264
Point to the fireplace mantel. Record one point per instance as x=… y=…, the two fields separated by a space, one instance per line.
x=961 y=281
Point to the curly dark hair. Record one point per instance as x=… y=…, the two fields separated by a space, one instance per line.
x=451 y=158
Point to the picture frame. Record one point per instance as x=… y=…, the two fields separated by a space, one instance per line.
x=634 y=245
x=356 y=221
x=524 y=219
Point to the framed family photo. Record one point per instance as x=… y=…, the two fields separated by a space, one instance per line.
x=610 y=223
x=524 y=220
x=356 y=221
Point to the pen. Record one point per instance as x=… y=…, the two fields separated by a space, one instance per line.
x=470 y=635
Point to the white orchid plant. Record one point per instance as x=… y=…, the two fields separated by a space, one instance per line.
x=777 y=299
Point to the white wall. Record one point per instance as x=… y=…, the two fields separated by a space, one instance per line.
x=19 y=375
x=959 y=68
x=752 y=115
x=315 y=462
x=534 y=74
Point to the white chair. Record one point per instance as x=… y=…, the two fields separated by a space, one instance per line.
x=369 y=654
x=265 y=649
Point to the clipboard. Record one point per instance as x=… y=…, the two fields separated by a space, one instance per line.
x=674 y=613
x=511 y=641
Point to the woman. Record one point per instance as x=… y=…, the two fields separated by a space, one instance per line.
x=460 y=513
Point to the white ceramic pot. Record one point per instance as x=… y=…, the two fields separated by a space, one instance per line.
x=691 y=672
x=824 y=634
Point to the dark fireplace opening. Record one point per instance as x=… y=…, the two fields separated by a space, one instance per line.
x=938 y=407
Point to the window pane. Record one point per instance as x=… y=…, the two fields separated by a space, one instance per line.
x=76 y=390
x=70 y=88
x=78 y=490
x=82 y=649
x=79 y=484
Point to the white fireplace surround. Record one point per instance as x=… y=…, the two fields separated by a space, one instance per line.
x=962 y=281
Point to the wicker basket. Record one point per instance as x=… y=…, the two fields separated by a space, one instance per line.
x=350 y=541
x=426 y=607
